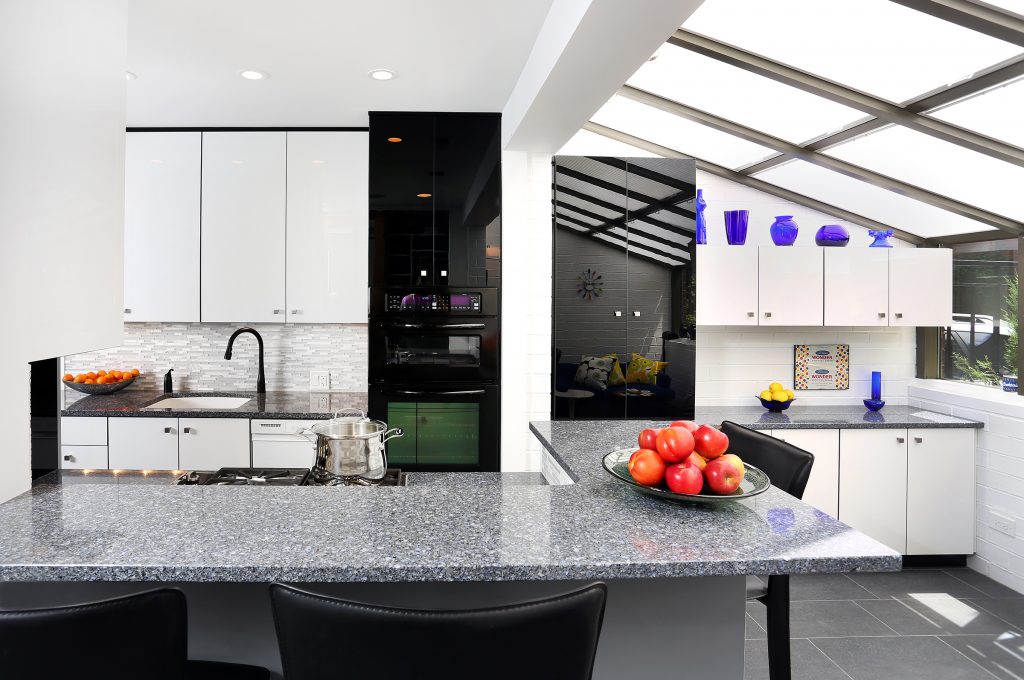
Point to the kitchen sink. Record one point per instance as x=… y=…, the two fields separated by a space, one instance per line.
x=197 y=403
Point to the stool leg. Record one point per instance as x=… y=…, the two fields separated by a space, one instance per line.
x=777 y=601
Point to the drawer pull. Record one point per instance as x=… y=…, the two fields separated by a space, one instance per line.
x=750 y=314
x=168 y=430
x=767 y=315
x=188 y=430
x=881 y=315
x=899 y=315
x=278 y=311
x=918 y=440
x=127 y=310
x=69 y=457
x=900 y=440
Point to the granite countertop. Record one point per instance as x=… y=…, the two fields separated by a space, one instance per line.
x=277 y=405
x=798 y=417
x=441 y=527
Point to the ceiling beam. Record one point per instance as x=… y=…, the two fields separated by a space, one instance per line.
x=617 y=208
x=973 y=237
x=640 y=171
x=822 y=160
x=665 y=204
x=631 y=231
x=612 y=240
x=753 y=182
x=1004 y=72
x=873 y=106
x=981 y=18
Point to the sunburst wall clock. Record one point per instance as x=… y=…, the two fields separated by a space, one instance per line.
x=589 y=285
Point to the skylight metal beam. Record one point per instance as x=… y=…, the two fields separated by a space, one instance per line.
x=985 y=19
x=1000 y=222
x=753 y=182
x=873 y=106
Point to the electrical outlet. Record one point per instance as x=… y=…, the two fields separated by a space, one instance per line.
x=319 y=381
x=335 y=379
x=320 y=403
x=1004 y=524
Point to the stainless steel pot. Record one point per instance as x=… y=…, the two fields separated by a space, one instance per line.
x=350 y=447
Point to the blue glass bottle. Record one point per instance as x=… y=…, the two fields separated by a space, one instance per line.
x=702 y=224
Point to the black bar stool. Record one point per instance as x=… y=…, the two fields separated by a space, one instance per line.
x=325 y=638
x=138 y=637
x=789 y=468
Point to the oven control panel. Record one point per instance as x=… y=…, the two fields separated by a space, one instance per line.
x=434 y=302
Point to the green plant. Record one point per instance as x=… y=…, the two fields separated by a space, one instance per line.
x=1010 y=314
x=979 y=371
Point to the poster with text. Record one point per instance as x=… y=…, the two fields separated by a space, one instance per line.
x=821 y=367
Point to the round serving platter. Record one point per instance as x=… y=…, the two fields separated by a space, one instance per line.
x=754 y=482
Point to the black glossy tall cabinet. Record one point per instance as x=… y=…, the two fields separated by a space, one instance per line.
x=435 y=287
x=624 y=282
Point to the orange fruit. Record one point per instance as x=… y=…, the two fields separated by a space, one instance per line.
x=69 y=377
x=135 y=371
x=80 y=378
x=90 y=381
x=90 y=374
x=100 y=374
x=127 y=375
x=115 y=373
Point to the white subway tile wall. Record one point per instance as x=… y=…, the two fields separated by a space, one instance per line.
x=196 y=353
x=999 y=470
x=736 y=363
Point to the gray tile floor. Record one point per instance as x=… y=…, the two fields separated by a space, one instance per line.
x=928 y=624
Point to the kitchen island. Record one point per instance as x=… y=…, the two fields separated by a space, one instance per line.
x=445 y=540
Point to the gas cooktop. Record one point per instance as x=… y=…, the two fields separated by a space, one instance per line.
x=275 y=477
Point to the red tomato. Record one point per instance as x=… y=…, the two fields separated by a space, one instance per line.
x=647 y=467
x=710 y=442
x=688 y=424
x=675 y=444
x=648 y=438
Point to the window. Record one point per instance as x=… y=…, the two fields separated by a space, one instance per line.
x=981 y=345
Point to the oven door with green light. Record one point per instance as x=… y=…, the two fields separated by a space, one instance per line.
x=447 y=427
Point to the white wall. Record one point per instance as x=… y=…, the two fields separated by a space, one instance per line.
x=62 y=118
x=999 y=471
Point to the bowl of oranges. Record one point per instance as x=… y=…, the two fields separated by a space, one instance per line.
x=776 y=398
x=101 y=382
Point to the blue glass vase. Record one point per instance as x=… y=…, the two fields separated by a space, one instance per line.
x=702 y=223
x=832 y=236
x=881 y=237
x=736 y=226
x=784 y=230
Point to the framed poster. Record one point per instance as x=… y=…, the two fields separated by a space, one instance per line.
x=821 y=367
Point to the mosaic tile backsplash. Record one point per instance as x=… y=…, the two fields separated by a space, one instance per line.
x=196 y=353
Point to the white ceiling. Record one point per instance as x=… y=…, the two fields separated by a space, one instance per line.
x=450 y=55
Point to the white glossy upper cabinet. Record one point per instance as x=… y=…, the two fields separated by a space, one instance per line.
x=243 y=234
x=161 y=226
x=328 y=230
x=726 y=286
x=920 y=287
x=790 y=286
x=856 y=286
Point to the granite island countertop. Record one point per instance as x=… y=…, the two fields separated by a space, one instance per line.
x=274 y=405
x=441 y=527
x=800 y=417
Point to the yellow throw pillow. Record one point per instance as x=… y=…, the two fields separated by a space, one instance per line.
x=615 y=378
x=643 y=370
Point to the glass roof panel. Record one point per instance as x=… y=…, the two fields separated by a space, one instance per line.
x=876 y=46
x=869 y=200
x=677 y=133
x=997 y=113
x=941 y=167
x=742 y=97
x=587 y=143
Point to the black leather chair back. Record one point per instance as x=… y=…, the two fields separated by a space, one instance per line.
x=786 y=465
x=323 y=637
x=139 y=637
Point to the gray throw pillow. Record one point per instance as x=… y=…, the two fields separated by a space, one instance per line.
x=593 y=372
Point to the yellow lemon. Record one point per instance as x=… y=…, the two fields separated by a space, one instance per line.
x=790 y=394
x=775 y=387
x=767 y=395
x=780 y=395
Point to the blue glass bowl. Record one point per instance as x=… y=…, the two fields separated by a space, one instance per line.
x=874 y=404
x=775 y=406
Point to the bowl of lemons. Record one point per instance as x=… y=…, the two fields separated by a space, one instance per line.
x=776 y=398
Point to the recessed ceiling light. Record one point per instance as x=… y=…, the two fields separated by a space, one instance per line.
x=128 y=75
x=253 y=75
x=394 y=140
x=423 y=195
x=382 y=74
x=318 y=162
x=236 y=162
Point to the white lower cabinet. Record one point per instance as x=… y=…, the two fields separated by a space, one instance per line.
x=278 y=444
x=873 y=484
x=940 y=492
x=213 y=443
x=83 y=443
x=83 y=457
x=143 y=443
x=823 y=486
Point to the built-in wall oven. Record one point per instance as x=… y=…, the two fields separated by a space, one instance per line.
x=434 y=372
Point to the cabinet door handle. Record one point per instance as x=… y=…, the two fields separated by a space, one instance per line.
x=900 y=440
x=444 y=272
x=767 y=315
x=899 y=315
x=918 y=440
x=127 y=310
x=423 y=272
x=636 y=313
x=278 y=311
x=750 y=314
x=881 y=315
x=617 y=313
x=69 y=457
x=188 y=430
x=168 y=430
x=296 y=311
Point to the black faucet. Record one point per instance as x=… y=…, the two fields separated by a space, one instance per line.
x=261 y=381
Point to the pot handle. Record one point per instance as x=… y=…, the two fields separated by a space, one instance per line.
x=392 y=433
x=350 y=412
x=307 y=433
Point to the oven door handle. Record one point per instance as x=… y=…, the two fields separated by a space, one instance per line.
x=432 y=393
x=442 y=326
